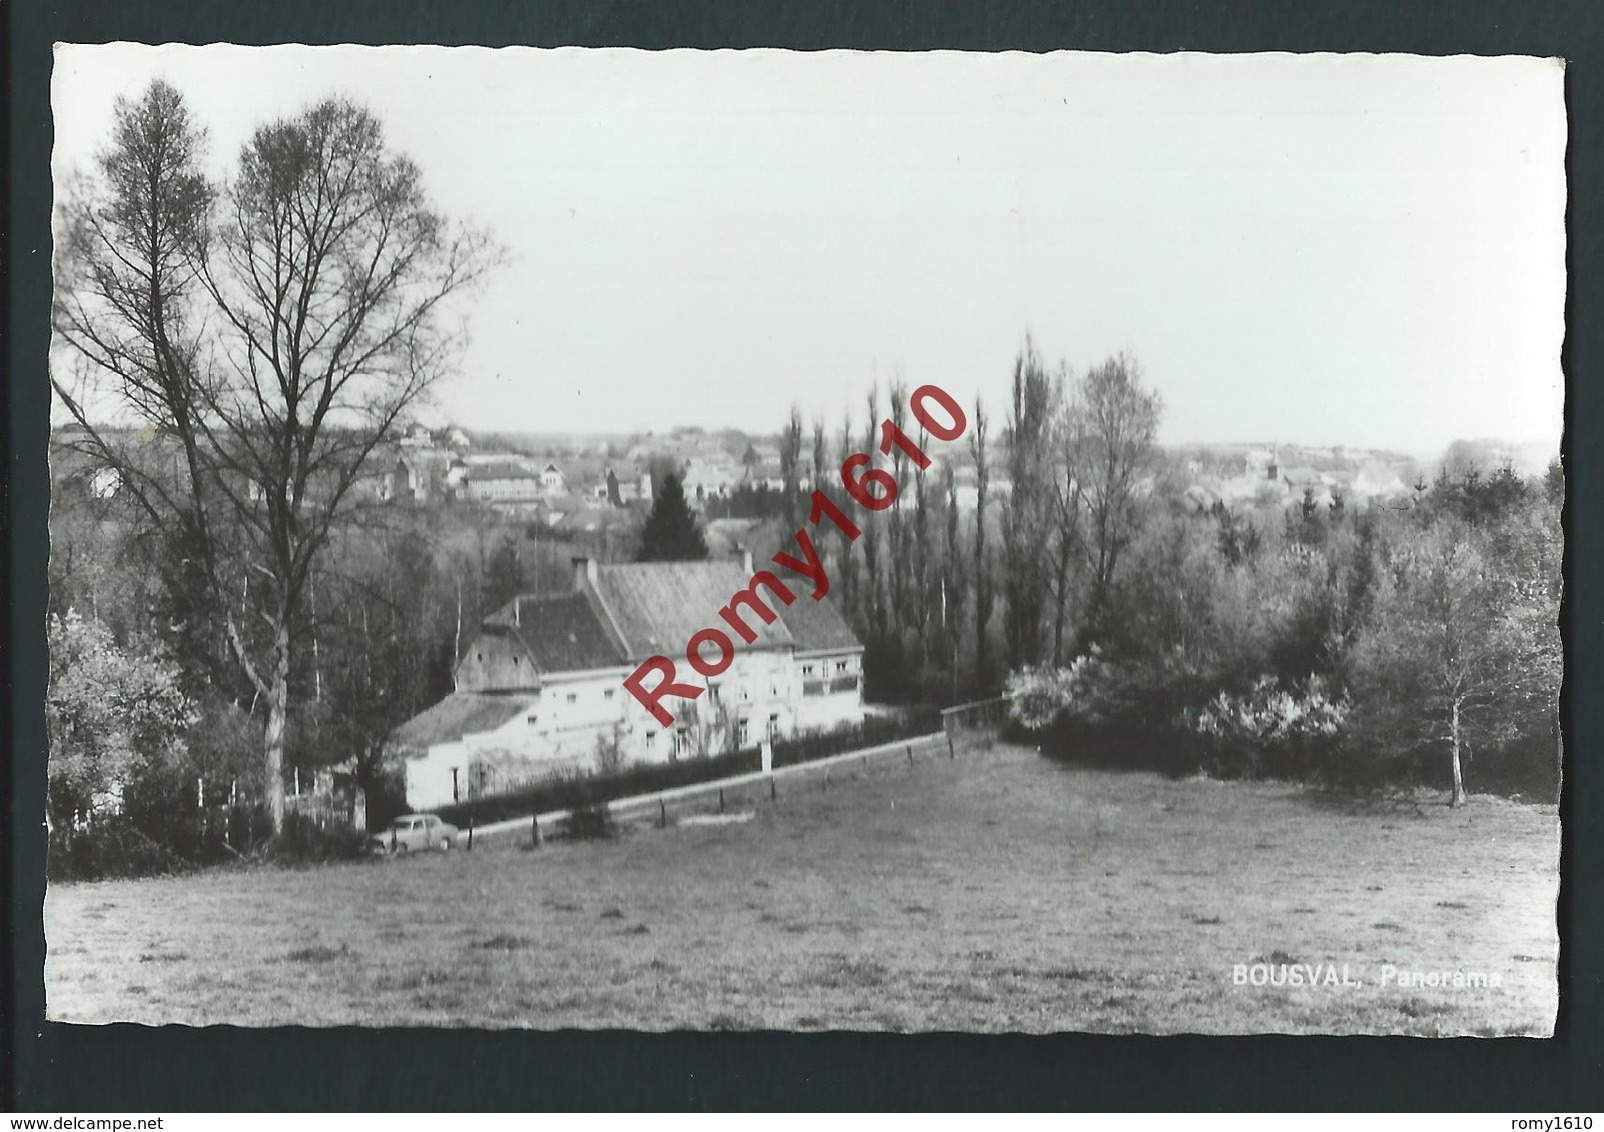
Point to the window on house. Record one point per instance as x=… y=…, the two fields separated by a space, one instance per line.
x=807 y=670
x=532 y=720
x=742 y=731
x=712 y=693
x=608 y=694
x=573 y=697
x=774 y=725
x=840 y=666
x=651 y=740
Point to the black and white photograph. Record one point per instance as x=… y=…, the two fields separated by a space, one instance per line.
x=762 y=540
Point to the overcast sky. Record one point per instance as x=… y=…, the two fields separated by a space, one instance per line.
x=1323 y=249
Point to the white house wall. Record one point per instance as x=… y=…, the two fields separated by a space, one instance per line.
x=562 y=723
x=429 y=779
x=825 y=710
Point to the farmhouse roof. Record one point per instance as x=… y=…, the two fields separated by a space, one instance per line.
x=658 y=606
x=560 y=632
x=632 y=611
x=459 y=714
x=816 y=626
x=500 y=470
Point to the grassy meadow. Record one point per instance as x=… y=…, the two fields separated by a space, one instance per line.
x=996 y=892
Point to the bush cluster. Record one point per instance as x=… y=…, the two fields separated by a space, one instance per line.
x=1353 y=649
x=125 y=845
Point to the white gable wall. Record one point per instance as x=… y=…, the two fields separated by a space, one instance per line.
x=831 y=685
x=760 y=695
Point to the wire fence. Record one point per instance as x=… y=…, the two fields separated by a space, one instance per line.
x=978 y=721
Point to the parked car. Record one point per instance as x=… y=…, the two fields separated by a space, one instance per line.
x=411 y=833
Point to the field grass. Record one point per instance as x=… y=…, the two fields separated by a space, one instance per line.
x=997 y=892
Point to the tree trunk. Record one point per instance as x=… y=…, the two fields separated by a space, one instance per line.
x=1459 y=777
x=1061 y=598
x=278 y=698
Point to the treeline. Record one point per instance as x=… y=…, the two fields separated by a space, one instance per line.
x=962 y=582
x=1330 y=641
x=156 y=734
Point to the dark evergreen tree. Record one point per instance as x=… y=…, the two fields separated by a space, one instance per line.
x=504 y=574
x=671 y=534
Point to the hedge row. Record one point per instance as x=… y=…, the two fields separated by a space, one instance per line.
x=874 y=731
x=124 y=845
x=1528 y=767
x=579 y=793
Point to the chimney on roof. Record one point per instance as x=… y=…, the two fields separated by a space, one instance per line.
x=745 y=555
x=584 y=573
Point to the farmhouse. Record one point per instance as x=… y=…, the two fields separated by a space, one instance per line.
x=539 y=692
x=507 y=480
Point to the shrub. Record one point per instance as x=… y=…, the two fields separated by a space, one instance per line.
x=871 y=733
x=577 y=793
x=304 y=842
x=590 y=823
x=112 y=847
x=1272 y=732
x=1040 y=697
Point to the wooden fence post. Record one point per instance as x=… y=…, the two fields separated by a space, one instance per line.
x=951 y=751
x=662 y=814
x=534 y=821
x=910 y=754
x=771 y=788
x=470 y=833
x=721 y=799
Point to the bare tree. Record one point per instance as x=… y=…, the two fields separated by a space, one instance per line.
x=917 y=547
x=1027 y=511
x=831 y=486
x=818 y=477
x=1066 y=535
x=791 y=464
x=271 y=335
x=1110 y=430
x=873 y=610
x=899 y=564
x=983 y=595
x=954 y=579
